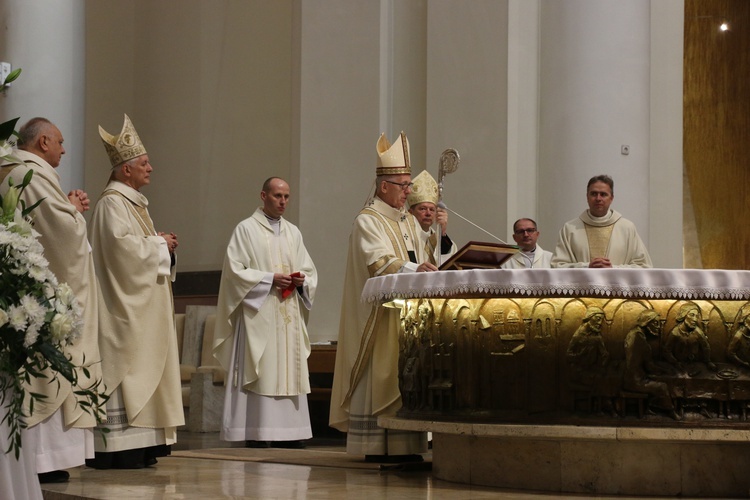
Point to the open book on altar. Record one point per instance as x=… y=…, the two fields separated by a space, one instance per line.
x=480 y=255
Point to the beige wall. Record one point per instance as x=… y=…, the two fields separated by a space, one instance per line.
x=208 y=86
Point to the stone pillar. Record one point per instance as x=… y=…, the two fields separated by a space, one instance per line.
x=46 y=38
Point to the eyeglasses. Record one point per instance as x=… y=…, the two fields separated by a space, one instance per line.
x=403 y=185
x=530 y=230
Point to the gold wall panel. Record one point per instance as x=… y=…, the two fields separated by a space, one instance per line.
x=716 y=142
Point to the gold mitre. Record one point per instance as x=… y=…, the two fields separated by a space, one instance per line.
x=123 y=147
x=424 y=188
x=393 y=160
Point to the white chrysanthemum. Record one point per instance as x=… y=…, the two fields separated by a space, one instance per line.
x=17 y=317
x=49 y=290
x=31 y=334
x=3 y=317
x=6 y=237
x=35 y=311
x=36 y=259
x=61 y=327
x=40 y=274
x=51 y=278
x=18 y=257
x=76 y=313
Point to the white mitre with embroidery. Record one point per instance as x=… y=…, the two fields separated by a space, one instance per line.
x=124 y=146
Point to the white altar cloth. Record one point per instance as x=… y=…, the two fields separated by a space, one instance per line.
x=692 y=284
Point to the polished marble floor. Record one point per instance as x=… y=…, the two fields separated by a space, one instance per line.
x=190 y=478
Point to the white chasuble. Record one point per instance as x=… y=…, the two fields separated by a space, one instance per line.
x=277 y=340
x=261 y=337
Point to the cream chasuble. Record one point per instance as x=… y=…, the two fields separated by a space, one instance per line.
x=611 y=236
x=137 y=335
x=365 y=382
x=277 y=341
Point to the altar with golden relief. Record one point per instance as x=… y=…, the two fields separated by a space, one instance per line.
x=649 y=368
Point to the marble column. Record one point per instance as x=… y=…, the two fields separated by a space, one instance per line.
x=46 y=38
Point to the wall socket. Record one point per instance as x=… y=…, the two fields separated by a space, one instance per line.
x=4 y=71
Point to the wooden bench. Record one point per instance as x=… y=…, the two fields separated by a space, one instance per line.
x=320 y=364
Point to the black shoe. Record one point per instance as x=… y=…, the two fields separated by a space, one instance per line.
x=101 y=460
x=161 y=450
x=393 y=459
x=257 y=444
x=150 y=454
x=130 y=459
x=55 y=476
x=294 y=445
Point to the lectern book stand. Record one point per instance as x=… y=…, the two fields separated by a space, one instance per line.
x=480 y=255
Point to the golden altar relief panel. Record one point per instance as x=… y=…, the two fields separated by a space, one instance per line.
x=509 y=358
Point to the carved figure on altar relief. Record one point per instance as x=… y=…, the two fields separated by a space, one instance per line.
x=640 y=366
x=589 y=360
x=410 y=384
x=686 y=342
x=738 y=351
x=587 y=355
x=426 y=317
x=407 y=348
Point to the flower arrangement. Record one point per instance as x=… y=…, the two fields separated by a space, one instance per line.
x=38 y=315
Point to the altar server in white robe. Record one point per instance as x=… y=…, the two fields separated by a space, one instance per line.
x=423 y=205
x=600 y=237
x=63 y=430
x=268 y=283
x=137 y=336
x=385 y=239
x=532 y=255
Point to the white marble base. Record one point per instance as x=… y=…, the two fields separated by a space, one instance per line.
x=589 y=460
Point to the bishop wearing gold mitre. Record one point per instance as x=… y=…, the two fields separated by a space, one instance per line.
x=385 y=239
x=137 y=338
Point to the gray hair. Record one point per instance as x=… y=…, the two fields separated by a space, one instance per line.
x=29 y=133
